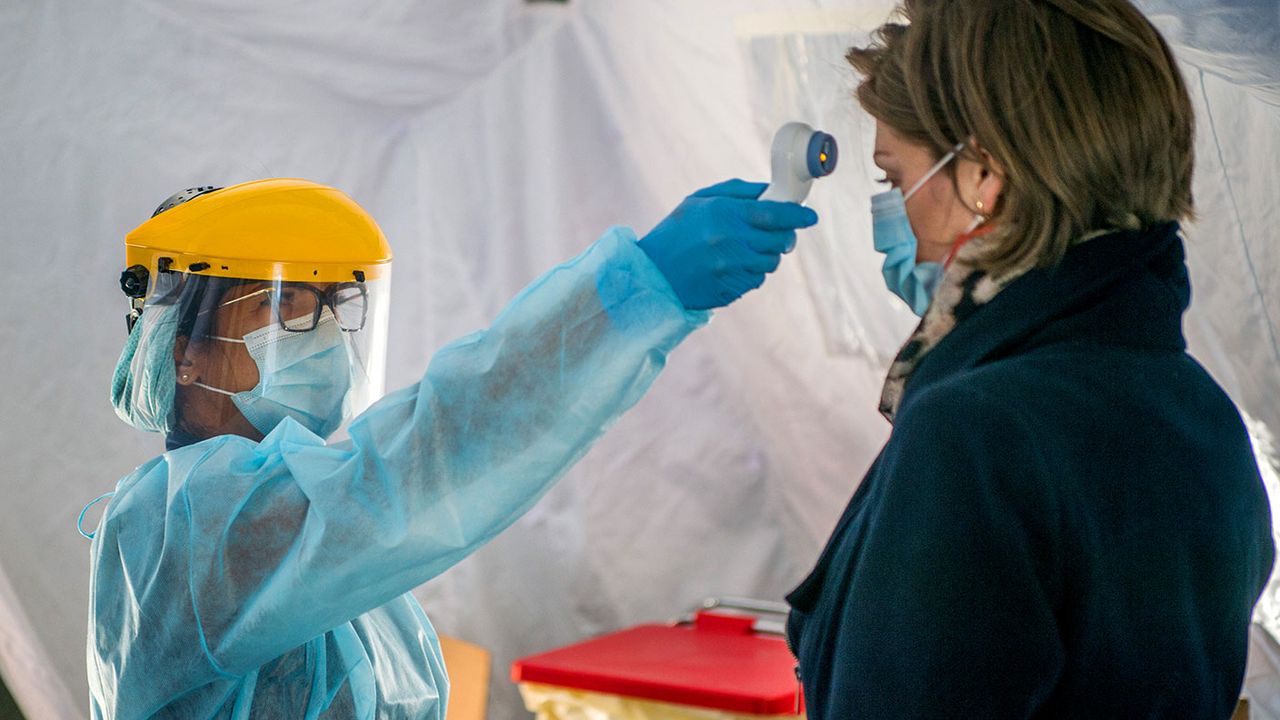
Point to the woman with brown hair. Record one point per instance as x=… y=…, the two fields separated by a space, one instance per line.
x=1067 y=519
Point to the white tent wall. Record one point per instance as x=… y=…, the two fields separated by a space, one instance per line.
x=492 y=140
x=610 y=129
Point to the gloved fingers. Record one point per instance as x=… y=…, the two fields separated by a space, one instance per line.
x=741 y=283
x=771 y=215
x=731 y=287
x=760 y=263
x=733 y=188
x=773 y=242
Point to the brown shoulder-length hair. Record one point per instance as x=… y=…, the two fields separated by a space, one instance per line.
x=1079 y=101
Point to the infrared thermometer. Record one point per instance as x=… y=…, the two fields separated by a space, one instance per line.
x=799 y=155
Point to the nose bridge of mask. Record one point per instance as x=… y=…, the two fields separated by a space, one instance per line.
x=933 y=171
x=272 y=347
x=325 y=335
x=890 y=227
x=305 y=376
x=272 y=332
x=289 y=359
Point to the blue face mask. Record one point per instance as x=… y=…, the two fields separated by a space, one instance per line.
x=891 y=232
x=302 y=375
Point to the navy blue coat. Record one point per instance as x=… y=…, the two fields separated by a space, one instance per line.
x=1067 y=520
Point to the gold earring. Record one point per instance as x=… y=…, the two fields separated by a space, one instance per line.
x=186 y=377
x=979 y=203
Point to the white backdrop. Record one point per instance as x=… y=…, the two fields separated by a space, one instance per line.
x=492 y=139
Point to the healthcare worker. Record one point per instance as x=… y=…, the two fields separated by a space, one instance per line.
x=255 y=570
x=1067 y=520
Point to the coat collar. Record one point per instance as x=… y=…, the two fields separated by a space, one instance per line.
x=1127 y=288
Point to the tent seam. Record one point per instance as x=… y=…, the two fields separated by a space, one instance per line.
x=1235 y=208
x=537 y=41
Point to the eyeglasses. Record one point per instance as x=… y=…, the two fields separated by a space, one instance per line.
x=297 y=307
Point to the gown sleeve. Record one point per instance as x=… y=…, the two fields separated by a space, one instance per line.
x=285 y=539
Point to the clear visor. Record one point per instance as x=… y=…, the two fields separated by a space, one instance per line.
x=247 y=353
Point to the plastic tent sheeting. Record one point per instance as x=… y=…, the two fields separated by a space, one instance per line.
x=1238 y=40
x=492 y=140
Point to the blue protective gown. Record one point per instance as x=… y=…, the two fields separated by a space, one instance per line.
x=234 y=579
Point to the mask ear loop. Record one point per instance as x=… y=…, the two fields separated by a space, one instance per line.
x=973 y=224
x=211 y=388
x=933 y=170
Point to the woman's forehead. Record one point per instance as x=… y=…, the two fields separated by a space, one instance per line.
x=895 y=151
x=883 y=151
x=888 y=142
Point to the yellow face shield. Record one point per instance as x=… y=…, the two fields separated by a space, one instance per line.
x=278 y=229
x=250 y=304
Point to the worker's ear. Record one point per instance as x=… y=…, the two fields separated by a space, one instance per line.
x=188 y=360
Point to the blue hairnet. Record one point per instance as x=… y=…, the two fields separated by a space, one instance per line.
x=145 y=380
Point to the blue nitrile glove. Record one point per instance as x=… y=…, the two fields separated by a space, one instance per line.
x=721 y=241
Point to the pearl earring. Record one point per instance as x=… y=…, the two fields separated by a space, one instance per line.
x=979 y=204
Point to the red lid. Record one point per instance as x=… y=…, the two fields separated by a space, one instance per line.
x=717 y=663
